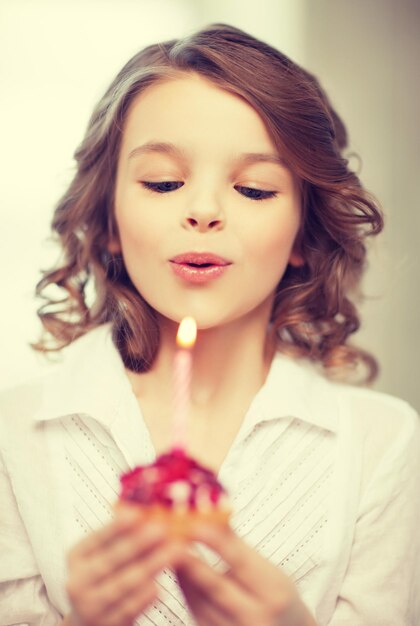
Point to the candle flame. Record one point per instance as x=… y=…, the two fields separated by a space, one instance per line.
x=187 y=333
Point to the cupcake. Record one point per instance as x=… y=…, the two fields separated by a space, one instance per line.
x=178 y=489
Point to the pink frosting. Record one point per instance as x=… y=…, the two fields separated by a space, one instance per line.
x=174 y=479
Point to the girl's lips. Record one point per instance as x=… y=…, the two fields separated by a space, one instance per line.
x=199 y=267
x=198 y=274
x=200 y=258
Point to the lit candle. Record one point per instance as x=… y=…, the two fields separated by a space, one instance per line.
x=185 y=339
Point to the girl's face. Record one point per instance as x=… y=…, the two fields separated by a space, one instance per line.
x=189 y=180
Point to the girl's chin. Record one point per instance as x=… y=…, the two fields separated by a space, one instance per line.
x=202 y=324
x=205 y=320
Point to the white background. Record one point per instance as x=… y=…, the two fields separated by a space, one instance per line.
x=58 y=56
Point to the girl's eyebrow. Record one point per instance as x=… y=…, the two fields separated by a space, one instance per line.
x=171 y=149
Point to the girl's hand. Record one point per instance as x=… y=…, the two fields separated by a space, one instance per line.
x=252 y=591
x=111 y=572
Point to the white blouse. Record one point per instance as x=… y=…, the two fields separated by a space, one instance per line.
x=324 y=481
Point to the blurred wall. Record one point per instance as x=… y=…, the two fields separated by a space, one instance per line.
x=367 y=55
x=280 y=23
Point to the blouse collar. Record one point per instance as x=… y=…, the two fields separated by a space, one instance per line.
x=92 y=381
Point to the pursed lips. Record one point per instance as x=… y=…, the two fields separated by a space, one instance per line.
x=199 y=267
x=200 y=259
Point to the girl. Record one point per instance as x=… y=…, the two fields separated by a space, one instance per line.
x=210 y=183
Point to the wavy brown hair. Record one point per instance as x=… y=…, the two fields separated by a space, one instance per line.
x=313 y=314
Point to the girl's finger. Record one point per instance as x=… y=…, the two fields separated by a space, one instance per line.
x=115 y=598
x=136 y=576
x=222 y=591
x=126 y=520
x=132 y=606
x=206 y=613
x=257 y=575
x=124 y=550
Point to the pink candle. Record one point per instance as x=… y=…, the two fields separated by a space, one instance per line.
x=185 y=339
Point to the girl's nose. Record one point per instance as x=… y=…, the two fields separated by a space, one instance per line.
x=204 y=219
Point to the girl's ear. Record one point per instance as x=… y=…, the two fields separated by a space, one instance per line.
x=296 y=259
x=114 y=246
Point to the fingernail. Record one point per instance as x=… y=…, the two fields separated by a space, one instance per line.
x=128 y=514
x=156 y=528
x=202 y=531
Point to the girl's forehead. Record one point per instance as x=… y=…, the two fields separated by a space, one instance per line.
x=192 y=109
x=184 y=95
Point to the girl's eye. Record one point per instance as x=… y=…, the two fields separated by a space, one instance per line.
x=172 y=185
x=162 y=187
x=256 y=194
